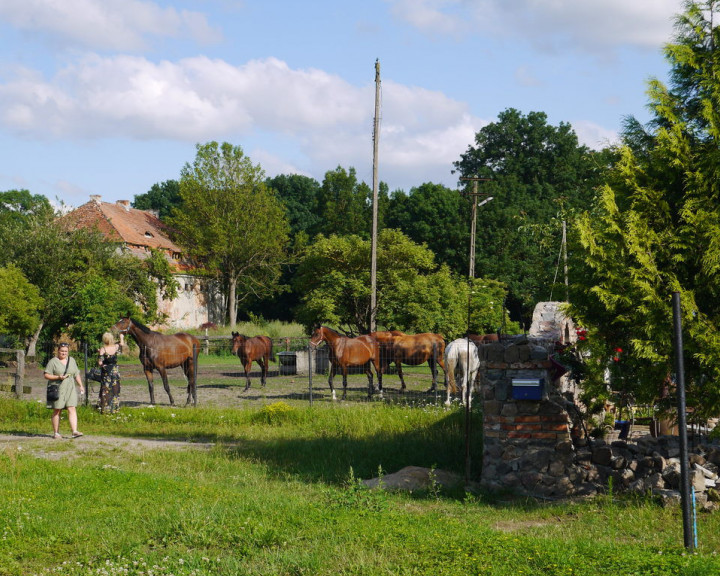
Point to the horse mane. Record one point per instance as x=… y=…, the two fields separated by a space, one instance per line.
x=141 y=326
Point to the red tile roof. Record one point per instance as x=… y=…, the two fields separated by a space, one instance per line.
x=139 y=230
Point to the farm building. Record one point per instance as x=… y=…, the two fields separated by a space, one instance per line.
x=140 y=231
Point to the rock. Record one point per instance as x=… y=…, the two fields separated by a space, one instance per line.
x=416 y=478
x=602 y=456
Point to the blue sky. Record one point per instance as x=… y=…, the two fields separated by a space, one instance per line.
x=111 y=96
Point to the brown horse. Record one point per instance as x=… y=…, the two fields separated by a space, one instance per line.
x=413 y=350
x=478 y=339
x=162 y=351
x=256 y=349
x=346 y=352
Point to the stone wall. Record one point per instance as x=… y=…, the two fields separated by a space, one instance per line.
x=536 y=448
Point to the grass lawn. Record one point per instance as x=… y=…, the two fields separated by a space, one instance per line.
x=277 y=492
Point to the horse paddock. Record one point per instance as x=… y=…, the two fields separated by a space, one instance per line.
x=221 y=383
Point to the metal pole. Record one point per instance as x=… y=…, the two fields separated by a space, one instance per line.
x=473 y=225
x=682 y=422
x=468 y=389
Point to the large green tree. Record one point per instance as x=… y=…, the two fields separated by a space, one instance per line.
x=656 y=228
x=231 y=223
x=437 y=216
x=344 y=205
x=538 y=176
x=161 y=198
x=414 y=294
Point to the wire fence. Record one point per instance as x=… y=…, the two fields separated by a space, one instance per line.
x=296 y=372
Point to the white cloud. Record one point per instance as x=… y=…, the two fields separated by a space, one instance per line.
x=594 y=136
x=594 y=25
x=105 y=24
x=198 y=99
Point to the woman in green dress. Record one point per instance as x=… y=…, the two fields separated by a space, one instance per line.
x=63 y=368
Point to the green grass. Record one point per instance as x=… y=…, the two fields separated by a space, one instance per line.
x=278 y=494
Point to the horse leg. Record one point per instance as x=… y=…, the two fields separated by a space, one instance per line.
x=166 y=384
x=149 y=376
x=398 y=364
x=433 y=371
x=189 y=369
x=451 y=387
x=248 y=368
x=368 y=373
x=263 y=370
x=330 y=380
x=344 y=373
x=379 y=372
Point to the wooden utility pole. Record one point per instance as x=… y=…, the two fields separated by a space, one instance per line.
x=373 y=241
x=473 y=216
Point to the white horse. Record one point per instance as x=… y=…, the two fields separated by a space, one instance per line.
x=461 y=357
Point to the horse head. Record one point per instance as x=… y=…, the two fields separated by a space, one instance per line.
x=318 y=336
x=237 y=341
x=123 y=325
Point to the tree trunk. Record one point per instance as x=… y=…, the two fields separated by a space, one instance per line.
x=232 y=302
x=32 y=343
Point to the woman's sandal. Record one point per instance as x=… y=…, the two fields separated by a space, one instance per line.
x=77 y=434
x=57 y=436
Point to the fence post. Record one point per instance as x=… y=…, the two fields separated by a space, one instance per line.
x=310 y=371
x=20 y=373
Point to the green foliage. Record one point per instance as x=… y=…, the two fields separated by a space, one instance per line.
x=231 y=223
x=539 y=176
x=654 y=229
x=414 y=295
x=344 y=205
x=161 y=198
x=98 y=304
x=20 y=304
x=299 y=195
x=437 y=216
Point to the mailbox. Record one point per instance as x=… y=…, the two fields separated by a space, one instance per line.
x=527 y=388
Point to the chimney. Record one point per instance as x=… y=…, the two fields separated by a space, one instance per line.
x=125 y=204
x=95 y=198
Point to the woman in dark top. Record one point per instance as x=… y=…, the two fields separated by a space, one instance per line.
x=110 y=385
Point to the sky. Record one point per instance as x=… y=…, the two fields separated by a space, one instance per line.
x=110 y=97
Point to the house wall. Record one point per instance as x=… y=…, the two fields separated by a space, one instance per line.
x=198 y=301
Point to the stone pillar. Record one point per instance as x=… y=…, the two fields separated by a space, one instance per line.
x=527 y=444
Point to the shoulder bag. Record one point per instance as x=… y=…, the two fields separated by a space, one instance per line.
x=53 y=387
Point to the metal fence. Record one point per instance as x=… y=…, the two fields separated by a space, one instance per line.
x=296 y=372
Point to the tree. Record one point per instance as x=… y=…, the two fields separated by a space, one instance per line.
x=299 y=195
x=344 y=205
x=161 y=198
x=539 y=176
x=231 y=223
x=20 y=305
x=437 y=216
x=655 y=228
x=60 y=263
x=414 y=294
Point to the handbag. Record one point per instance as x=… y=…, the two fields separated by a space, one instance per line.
x=95 y=374
x=53 y=388
x=53 y=391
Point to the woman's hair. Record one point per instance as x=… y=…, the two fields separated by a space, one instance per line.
x=108 y=339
